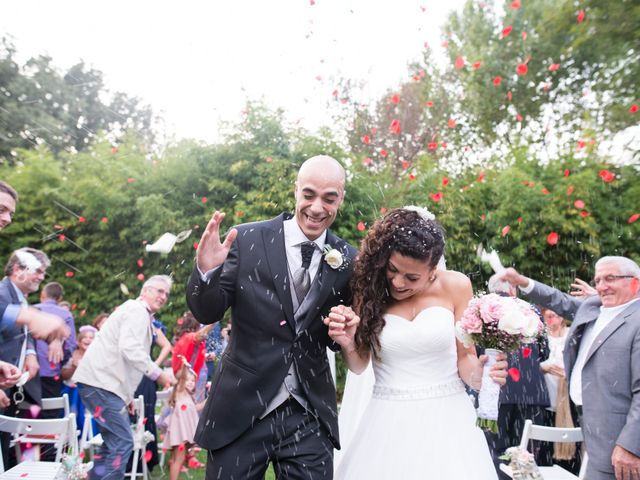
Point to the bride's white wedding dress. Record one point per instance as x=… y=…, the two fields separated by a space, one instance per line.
x=420 y=422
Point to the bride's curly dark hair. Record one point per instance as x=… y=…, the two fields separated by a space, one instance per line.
x=405 y=232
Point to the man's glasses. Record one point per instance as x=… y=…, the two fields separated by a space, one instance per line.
x=608 y=279
x=159 y=290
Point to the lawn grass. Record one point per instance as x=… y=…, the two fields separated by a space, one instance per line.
x=198 y=473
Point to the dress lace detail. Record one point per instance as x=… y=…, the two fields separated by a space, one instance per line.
x=418 y=393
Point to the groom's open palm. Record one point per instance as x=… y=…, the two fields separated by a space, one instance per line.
x=211 y=252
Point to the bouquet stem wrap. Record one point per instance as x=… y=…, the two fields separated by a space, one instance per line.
x=489 y=397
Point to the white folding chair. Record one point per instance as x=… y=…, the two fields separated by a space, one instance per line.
x=55 y=403
x=550 y=434
x=162 y=401
x=25 y=428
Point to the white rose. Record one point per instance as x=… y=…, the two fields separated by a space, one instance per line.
x=512 y=321
x=334 y=258
x=533 y=323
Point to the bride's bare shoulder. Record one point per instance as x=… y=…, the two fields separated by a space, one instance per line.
x=455 y=283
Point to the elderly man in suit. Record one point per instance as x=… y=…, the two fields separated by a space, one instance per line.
x=602 y=361
x=14 y=313
x=272 y=397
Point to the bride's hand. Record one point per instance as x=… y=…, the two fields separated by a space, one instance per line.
x=498 y=372
x=343 y=323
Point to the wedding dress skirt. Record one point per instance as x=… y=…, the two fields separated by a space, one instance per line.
x=419 y=422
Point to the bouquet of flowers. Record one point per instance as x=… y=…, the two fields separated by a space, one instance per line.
x=522 y=463
x=498 y=324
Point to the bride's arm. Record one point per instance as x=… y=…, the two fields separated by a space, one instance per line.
x=343 y=323
x=469 y=366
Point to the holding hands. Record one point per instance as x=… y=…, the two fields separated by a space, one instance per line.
x=343 y=323
x=211 y=252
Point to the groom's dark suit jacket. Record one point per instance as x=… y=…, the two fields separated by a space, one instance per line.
x=254 y=281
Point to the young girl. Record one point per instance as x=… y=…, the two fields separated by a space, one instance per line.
x=183 y=420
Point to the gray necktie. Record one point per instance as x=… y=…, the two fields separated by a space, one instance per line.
x=301 y=278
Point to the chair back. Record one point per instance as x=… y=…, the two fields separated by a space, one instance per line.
x=549 y=434
x=64 y=427
x=55 y=403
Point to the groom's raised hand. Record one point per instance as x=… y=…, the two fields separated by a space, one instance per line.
x=211 y=252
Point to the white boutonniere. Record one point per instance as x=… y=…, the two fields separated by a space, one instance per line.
x=333 y=257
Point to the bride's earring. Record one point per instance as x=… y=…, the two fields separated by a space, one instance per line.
x=433 y=278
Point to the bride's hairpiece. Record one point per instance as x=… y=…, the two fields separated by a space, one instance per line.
x=423 y=212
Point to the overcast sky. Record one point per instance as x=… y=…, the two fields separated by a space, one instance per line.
x=196 y=62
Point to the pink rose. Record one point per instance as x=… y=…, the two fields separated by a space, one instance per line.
x=470 y=321
x=491 y=309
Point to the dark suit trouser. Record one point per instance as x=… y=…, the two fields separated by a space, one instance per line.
x=289 y=437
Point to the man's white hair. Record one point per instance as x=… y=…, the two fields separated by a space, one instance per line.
x=626 y=265
x=157 y=279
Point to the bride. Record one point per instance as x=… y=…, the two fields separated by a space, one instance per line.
x=419 y=423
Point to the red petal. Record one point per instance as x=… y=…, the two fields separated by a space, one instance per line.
x=476 y=65
x=526 y=352
x=579 y=204
x=519 y=219
x=634 y=217
x=584 y=213
x=506 y=31
x=395 y=98
x=634 y=108
x=148 y=455
x=140 y=276
x=383 y=152
x=432 y=146
x=445 y=181
x=140 y=262
x=516 y=4
x=580 y=16
x=459 y=63
x=524 y=36
x=82 y=219
x=553 y=67
x=405 y=164
x=104 y=220
x=361 y=226
x=367 y=161
x=607 y=176
x=395 y=126
x=451 y=123
x=429 y=104
x=204 y=199
x=514 y=373
x=497 y=80
x=509 y=95
x=183 y=407
x=505 y=230
x=69 y=274
x=366 y=140
x=436 y=197
x=195 y=245
x=522 y=69
x=545 y=191
x=552 y=238
x=566 y=172
x=569 y=189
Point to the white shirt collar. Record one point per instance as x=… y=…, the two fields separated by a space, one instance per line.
x=293 y=235
x=618 y=308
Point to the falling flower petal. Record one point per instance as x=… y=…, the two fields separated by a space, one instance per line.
x=459 y=63
x=580 y=17
x=140 y=276
x=553 y=67
x=445 y=181
x=519 y=219
x=634 y=108
x=522 y=69
x=367 y=162
x=476 y=65
x=82 y=219
x=584 y=213
x=497 y=80
x=607 y=176
x=516 y=4
x=545 y=191
x=395 y=99
x=566 y=172
x=148 y=455
x=183 y=407
x=104 y=220
x=451 y=123
x=395 y=126
x=509 y=95
x=505 y=230
x=383 y=152
x=569 y=189
x=524 y=36
x=432 y=146
x=526 y=352
x=579 y=204
x=552 y=238
x=436 y=197
x=140 y=263
x=405 y=164
x=366 y=140
x=634 y=217
x=506 y=31
x=361 y=226
x=514 y=373
x=69 y=274
x=429 y=103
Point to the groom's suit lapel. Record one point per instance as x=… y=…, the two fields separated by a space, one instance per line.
x=320 y=289
x=277 y=259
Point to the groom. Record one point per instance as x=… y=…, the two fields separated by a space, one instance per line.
x=272 y=397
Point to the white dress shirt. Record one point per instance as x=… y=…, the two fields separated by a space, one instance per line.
x=293 y=238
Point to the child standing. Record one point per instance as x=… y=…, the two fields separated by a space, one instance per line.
x=183 y=420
